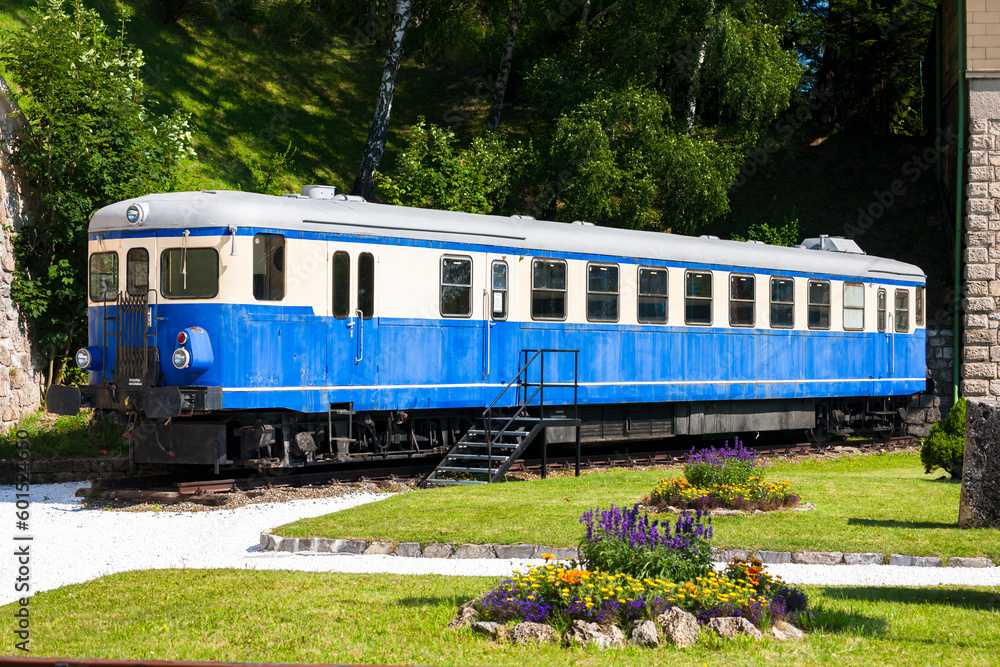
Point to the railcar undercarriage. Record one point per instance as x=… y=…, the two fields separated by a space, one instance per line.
x=283 y=439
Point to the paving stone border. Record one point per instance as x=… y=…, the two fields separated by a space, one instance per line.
x=271 y=542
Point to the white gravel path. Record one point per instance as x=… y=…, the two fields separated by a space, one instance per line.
x=71 y=544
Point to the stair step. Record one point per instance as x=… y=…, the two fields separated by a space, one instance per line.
x=476 y=431
x=464 y=469
x=477 y=457
x=451 y=482
x=496 y=445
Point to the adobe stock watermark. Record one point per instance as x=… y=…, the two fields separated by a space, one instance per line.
x=22 y=544
x=911 y=170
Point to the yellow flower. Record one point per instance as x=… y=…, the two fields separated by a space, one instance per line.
x=548 y=556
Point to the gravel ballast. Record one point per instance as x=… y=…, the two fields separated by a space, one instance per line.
x=71 y=544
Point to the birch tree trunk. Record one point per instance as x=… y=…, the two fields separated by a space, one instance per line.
x=500 y=87
x=691 y=107
x=583 y=21
x=375 y=146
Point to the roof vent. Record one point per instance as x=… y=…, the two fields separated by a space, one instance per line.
x=523 y=217
x=582 y=222
x=832 y=244
x=349 y=198
x=319 y=191
x=709 y=236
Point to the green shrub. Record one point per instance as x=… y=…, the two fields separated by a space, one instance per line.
x=945 y=446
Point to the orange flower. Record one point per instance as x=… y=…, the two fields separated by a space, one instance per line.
x=572 y=576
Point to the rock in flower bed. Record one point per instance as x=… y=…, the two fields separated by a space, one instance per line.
x=638 y=579
x=728 y=477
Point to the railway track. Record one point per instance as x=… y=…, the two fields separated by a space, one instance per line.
x=172 y=489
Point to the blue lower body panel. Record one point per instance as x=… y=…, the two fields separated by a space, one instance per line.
x=278 y=357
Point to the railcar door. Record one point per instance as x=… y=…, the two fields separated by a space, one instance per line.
x=354 y=335
x=500 y=336
x=882 y=354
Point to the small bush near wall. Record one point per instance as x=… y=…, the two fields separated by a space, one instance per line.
x=945 y=446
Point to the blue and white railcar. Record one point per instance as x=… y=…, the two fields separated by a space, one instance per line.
x=229 y=327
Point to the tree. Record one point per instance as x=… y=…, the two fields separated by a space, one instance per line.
x=783 y=233
x=434 y=173
x=375 y=146
x=866 y=57
x=90 y=140
x=623 y=164
x=500 y=87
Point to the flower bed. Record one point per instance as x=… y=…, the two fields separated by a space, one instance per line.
x=634 y=571
x=728 y=477
x=559 y=593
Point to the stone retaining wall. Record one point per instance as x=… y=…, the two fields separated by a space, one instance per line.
x=20 y=373
x=928 y=409
x=328 y=545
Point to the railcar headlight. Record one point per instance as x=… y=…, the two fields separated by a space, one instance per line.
x=134 y=214
x=181 y=358
x=83 y=358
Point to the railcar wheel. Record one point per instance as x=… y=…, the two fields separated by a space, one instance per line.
x=820 y=435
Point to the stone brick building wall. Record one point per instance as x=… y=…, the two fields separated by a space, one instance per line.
x=20 y=374
x=930 y=408
x=981 y=280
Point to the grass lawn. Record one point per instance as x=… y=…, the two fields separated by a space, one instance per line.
x=53 y=436
x=255 y=616
x=882 y=503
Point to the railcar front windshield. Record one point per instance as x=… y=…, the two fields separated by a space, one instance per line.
x=189 y=273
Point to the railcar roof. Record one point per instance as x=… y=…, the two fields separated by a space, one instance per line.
x=191 y=210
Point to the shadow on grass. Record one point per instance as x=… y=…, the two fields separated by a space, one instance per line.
x=945 y=480
x=892 y=523
x=958 y=597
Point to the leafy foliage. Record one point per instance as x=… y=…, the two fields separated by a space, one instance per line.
x=434 y=173
x=90 y=141
x=866 y=57
x=623 y=165
x=945 y=445
x=266 y=172
x=785 y=233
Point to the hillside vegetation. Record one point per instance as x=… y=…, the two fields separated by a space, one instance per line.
x=630 y=113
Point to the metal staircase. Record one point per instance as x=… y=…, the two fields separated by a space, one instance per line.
x=487 y=450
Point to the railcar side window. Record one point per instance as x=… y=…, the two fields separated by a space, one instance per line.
x=268 y=267
x=819 y=304
x=782 y=303
x=602 y=293
x=366 y=284
x=902 y=311
x=741 y=301
x=854 y=306
x=189 y=273
x=652 y=305
x=341 y=284
x=456 y=286
x=137 y=271
x=499 y=297
x=697 y=297
x=104 y=276
x=548 y=289
x=881 y=310
x=919 y=304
